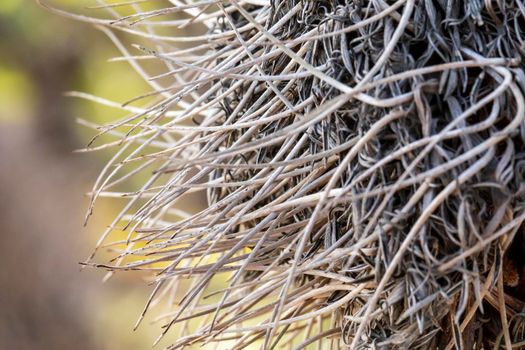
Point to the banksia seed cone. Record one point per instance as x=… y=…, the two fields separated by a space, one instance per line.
x=363 y=163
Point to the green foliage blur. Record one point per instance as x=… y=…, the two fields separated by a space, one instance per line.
x=32 y=36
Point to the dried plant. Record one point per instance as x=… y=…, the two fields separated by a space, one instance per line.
x=363 y=162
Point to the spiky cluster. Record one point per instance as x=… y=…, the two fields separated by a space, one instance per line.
x=363 y=162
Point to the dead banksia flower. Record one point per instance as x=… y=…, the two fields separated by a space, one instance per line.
x=363 y=163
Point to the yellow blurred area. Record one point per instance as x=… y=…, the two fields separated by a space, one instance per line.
x=16 y=94
x=9 y=6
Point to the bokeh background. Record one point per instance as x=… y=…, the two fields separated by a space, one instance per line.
x=46 y=301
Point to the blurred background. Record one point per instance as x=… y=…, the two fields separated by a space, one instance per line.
x=46 y=302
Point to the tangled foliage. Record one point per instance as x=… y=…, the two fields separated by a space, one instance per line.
x=363 y=162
